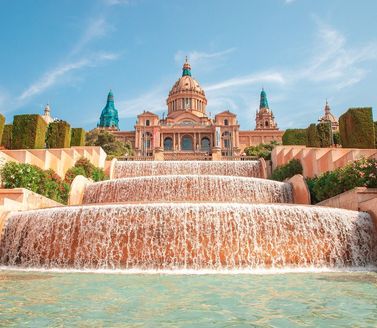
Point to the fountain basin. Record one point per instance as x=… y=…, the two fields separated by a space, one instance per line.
x=125 y=169
x=189 y=236
x=188 y=188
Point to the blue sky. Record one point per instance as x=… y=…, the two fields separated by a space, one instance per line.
x=70 y=53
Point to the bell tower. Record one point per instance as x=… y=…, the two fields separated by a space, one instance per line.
x=264 y=118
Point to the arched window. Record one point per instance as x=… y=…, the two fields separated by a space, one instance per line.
x=266 y=123
x=205 y=144
x=168 y=143
x=187 y=143
x=226 y=140
x=226 y=122
x=147 y=123
x=147 y=137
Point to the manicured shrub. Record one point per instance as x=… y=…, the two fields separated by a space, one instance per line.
x=360 y=173
x=58 y=135
x=336 y=138
x=312 y=137
x=6 y=140
x=84 y=167
x=262 y=150
x=324 y=132
x=46 y=183
x=29 y=132
x=357 y=129
x=287 y=171
x=2 y=123
x=77 y=137
x=72 y=173
x=294 y=137
x=375 y=133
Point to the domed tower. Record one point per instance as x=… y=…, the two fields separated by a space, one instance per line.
x=186 y=95
x=265 y=119
x=329 y=117
x=47 y=115
x=109 y=117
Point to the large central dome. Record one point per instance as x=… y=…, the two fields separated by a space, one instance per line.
x=186 y=95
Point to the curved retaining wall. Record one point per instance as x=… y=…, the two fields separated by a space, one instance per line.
x=125 y=169
x=190 y=188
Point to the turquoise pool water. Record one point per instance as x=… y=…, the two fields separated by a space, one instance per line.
x=49 y=299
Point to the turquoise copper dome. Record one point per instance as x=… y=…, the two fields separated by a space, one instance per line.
x=109 y=116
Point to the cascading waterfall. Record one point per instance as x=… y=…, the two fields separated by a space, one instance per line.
x=189 y=236
x=124 y=169
x=188 y=215
x=188 y=188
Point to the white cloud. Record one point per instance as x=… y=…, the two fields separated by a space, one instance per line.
x=97 y=28
x=53 y=76
x=258 y=78
x=335 y=62
x=205 y=61
x=153 y=101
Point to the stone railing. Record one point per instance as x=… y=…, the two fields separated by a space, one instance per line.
x=239 y=158
x=136 y=158
x=181 y=156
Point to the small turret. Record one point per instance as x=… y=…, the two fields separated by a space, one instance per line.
x=47 y=114
x=186 y=69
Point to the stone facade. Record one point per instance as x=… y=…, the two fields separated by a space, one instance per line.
x=188 y=129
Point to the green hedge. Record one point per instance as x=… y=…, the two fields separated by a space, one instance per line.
x=336 y=138
x=360 y=173
x=6 y=140
x=324 y=132
x=29 y=132
x=357 y=128
x=58 y=135
x=312 y=137
x=375 y=133
x=77 y=137
x=261 y=150
x=294 y=137
x=2 y=123
x=288 y=170
x=46 y=183
x=84 y=167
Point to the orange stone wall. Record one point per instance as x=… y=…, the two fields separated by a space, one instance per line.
x=316 y=161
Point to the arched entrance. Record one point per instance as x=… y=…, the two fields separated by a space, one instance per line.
x=168 y=143
x=205 y=144
x=186 y=143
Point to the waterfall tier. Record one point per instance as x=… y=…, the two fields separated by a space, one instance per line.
x=125 y=169
x=189 y=236
x=189 y=188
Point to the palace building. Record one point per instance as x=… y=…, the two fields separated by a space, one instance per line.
x=329 y=118
x=187 y=128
